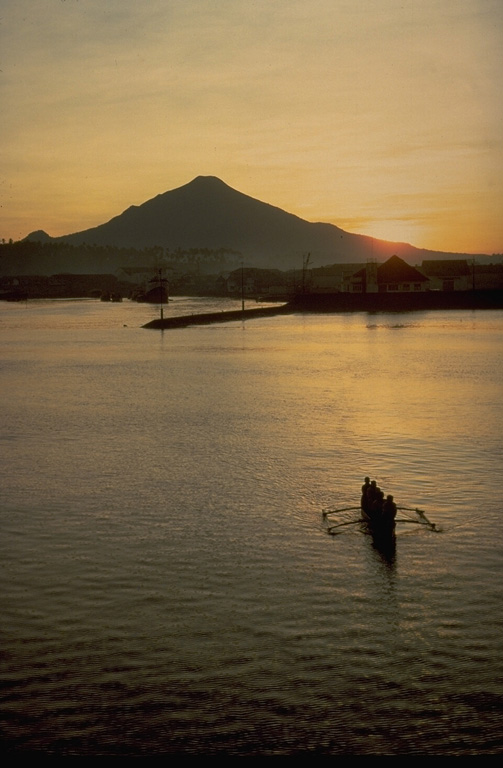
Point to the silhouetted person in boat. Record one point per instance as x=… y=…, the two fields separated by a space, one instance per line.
x=389 y=510
x=365 y=491
x=377 y=504
x=370 y=496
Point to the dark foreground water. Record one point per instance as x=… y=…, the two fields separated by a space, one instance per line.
x=168 y=585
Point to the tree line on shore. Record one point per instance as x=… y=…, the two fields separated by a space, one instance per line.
x=28 y=257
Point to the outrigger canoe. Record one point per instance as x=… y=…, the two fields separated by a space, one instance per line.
x=379 y=527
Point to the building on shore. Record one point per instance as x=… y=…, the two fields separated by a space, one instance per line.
x=393 y=276
x=448 y=274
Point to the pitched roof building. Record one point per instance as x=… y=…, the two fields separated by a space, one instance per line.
x=448 y=274
x=394 y=276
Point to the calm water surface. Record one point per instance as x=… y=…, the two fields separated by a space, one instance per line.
x=168 y=582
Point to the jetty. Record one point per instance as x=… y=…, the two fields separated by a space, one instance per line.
x=208 y=318
x=344 y=303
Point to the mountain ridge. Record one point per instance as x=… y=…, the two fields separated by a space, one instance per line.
x=207 y=213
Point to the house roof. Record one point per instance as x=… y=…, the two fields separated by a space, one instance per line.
x=396 y=270
x=446 y=268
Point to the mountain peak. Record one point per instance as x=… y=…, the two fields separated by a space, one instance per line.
x=206 y=179
x=206 y=182
x=39 y=236
x=206 y=213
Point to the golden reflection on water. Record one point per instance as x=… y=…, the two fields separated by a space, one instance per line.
x=166 y=571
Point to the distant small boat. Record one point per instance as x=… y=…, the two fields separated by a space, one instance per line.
x=13 y=296
x=110 y=296
x=156 y=295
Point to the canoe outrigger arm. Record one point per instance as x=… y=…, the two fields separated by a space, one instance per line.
x=420 y=512
x=327 y=512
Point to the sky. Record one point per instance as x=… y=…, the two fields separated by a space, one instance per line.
x=383 y=117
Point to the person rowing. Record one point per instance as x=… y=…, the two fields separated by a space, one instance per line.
x=376 y=509
x=365 y=491
x=389 y=510
x=374 y=504
x=369 y=493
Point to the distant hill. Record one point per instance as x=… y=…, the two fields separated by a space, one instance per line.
x=208 y=214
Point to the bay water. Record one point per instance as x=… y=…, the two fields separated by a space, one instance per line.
x=169 y=584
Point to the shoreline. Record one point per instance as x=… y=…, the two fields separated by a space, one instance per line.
x=400 y=302
x=345 y=302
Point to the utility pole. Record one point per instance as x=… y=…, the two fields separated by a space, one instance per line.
x=305 y=262
x=242 y=289
x=160 y=290
x=161 y=282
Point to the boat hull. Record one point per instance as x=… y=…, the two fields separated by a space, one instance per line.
x=379 y=527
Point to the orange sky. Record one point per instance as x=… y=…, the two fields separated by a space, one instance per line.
x=381 y=116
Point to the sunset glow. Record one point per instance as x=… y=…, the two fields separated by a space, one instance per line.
x=382 y=118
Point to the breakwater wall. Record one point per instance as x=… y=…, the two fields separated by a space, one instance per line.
x=208 y=318
x=398 y=302
x=346 y=302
